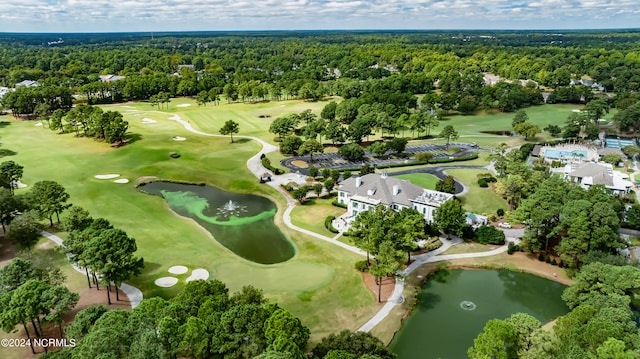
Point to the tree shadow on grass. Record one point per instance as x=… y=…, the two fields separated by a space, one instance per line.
x=4 y=124
x=133 y=138
x=5 y=152
x=241 y=140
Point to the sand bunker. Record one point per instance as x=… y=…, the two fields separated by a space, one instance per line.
x=148 y=120
x=178 y=138
x=178 y=270
x=166 y=282
x=300 y=164
x=128 y=106
x=576 y=111
x=198 y=274
x=122 y=180
x=183 y=105
x=18 y=184
x=109 y=176
x=38 y=124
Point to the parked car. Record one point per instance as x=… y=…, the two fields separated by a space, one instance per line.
x=504 y=225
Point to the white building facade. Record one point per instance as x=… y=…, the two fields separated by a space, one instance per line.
x=365 y=193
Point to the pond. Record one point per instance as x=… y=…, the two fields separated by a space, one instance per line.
x=243 y=223
x=454 y=306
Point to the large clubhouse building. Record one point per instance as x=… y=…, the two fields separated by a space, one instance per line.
x=365 y=193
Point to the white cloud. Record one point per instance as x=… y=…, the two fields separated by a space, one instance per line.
x=146 y=15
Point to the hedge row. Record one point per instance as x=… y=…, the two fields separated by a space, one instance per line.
x=267 y=164
x=328 y=225
x=339 y=204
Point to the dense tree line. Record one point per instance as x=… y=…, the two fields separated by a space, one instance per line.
x=34 y=295
x=106 y=253
x=205 y=321
x=258 y=67
x=90 y=121
x=570 y=220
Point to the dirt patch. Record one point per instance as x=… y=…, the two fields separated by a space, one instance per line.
x=388 y=283
x=145 y=179
x=300 y=164
x=7 y=250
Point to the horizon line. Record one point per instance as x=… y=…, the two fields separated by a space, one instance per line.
x=613 y=29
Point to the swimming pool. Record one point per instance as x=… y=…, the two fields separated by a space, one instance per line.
x=565 y=154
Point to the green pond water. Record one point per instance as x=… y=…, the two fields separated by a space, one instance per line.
x=454 y=306
x=242 y=223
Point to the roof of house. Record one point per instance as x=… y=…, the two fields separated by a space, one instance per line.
x=27 y=83
x=536 y=150
x=599 y=173
x=607 y=150
x=375 y=188
x=108 y=78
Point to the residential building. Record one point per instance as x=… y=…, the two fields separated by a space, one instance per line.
x=111 y=78
x=4 y=91
x=27 y=83
x=366 y=192
x=589 y=174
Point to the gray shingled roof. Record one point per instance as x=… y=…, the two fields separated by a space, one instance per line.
x=380 y=188
x=600 y=174
x=607 y=150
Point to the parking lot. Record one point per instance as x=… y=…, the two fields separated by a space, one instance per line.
x=336 y=162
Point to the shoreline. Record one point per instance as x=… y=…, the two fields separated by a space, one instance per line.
x=390 y=326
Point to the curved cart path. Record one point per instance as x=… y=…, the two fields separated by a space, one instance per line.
x=134 y=294
x=254 y=164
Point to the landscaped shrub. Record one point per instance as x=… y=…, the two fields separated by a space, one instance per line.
x=432 y=244
x=511 y=248
x=338 y=204
x=346 y=175
x=328 y=225
x=482 y=182
x=553 y=261
x=266 y=162
x=489 y=235
x=500 y=212
x=541 y=257
x=361 y=266
x=468 y=233
x=313 y=172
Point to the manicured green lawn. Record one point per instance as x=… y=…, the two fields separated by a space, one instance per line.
x=254 y=118
x=477 y=199
x=424 y=180
x=312 y=214
x=319 y=284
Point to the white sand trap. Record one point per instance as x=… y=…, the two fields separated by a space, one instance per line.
x=178 y=270
x=18 y=184
x=576 y=111
x=148 y=120
x=183 y=105
x=198 y=274
x=166 y=282
x=128 y=106
x=175 y=118
x=109 y=176
x=121 y=180
x=38 y=124
x=178 y=138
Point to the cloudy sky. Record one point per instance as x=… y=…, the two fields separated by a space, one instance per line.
x=183 y=15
